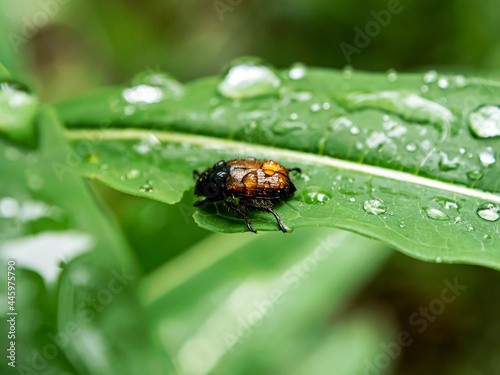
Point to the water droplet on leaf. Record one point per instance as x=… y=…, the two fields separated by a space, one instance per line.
x=146 y=188
x=447 y=164
x=435 y=214
x=460 y=81
x=430 y=76
x=315 y=196
x=340 y=123
x=9 y=207
x=285 y=127
x=347 y=72
x=133 y=174
x=169 y=86
x=142 y=94
x=392 y=76
x=147 y=144
x=375 y=206
x=474 y=175
x=355 y=130
x=297 y=71
x=443 y=83
x=487 y=156
x=249 y=80
x=411 y=147
x=315 y=107
x=489 y=211
x=485 y=122
x=407 y=105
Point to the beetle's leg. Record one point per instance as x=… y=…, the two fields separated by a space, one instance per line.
x=267 y=206
x=294 y=169
x=282 y=226
x=236 y=209
x=196 y=174
x=202 y=203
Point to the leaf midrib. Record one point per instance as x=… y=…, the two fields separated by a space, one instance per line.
x=277 y=153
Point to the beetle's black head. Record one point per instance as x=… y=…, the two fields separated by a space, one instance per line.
x=212 y=182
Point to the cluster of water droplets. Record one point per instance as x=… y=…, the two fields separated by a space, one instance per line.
x=444 y=81
x=437 y=208
x=251 y=78
x=484 y=122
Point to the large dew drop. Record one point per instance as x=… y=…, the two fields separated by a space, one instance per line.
x=485 y=122
x=249 y=80
x=375 y=206
x=487 y=156
x=489 y=211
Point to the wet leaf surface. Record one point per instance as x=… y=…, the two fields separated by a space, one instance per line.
x=393 y=158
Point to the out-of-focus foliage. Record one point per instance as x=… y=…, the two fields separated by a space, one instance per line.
x=87 y=44
x=68 y=254
x=346 y=315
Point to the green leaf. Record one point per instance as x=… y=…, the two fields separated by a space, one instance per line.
x=273 y=289
x=393 y=159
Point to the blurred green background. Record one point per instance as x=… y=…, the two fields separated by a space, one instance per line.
x=68 y=47
x=87 y=44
